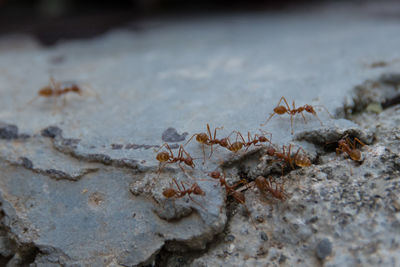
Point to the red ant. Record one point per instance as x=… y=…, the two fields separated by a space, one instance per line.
x=253 y=140
x=57 y=89
x=230 y=190
x=165 y=157
x=181 y=192
x=208 y=139
x=298 y=160
x=346 y=146
x=280 y=110
x=266 y=185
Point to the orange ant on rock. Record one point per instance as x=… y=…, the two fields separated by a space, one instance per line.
x=265 y=185
x=298 y=160
x=346 y=146
x=58 y=89
x=208 y=139
x=181 y=192
x=165 y=157
x=231 y=191
x=255 y=140
x=280 y=110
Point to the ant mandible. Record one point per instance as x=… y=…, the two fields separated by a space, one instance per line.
x=346 y=146
x=165 y=157
x=280 y=110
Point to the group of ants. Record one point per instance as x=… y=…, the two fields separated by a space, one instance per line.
x=266 y=185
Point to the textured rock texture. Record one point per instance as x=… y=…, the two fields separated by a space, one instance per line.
x=79 y=180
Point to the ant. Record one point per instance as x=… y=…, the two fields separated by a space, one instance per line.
x=230 y=190
x=298 y=160
x=181 y=192
x=208 y=139
x=165 y=157
x=265 y=184
x=253 y=140
x=346 y=146
x=57 y=89
x=280 y=110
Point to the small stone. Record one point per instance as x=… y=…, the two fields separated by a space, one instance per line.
x=324 y=248
x=8 y=131
x=27 y=163
x=229 y=238
x=263 y=236
x=171 y=135
x=51 y=131
x=259 y=218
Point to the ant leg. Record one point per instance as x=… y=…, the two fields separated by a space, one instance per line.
x=270 y=117
x=304 y=118
x=358 y=141
x=53 y=83
x=250 y=140
x=160 y=167
x=204 y=153
x=291 y=123
x=167 y=146
x=196 y=202
x=316 y=116
x=322 y=106
x=243 y=202
x=241 y=136
x=209 y=131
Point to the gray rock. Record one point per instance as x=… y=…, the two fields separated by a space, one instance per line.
x=8 y=131
x=324 y=248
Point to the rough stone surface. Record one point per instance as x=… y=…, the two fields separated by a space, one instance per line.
x=82 y=186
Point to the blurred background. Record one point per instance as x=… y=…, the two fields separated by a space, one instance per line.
x=53 y=20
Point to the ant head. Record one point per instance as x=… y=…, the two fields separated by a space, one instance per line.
x=75 y=88
x=271 y=151
x=280 y=110
x=260 y=181
x=262 y=138
x=309 y=109
x=189 y=162
x=163 y=156
x=235 y=147
x=202 y=138
x=198 y=191
x=169 y=192
x=46 y=91
x=215 y=174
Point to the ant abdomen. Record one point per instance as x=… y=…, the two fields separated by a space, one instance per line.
x=163 y=156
